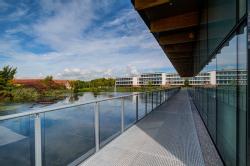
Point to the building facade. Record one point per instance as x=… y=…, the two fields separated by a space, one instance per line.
x=210 y=36
x=156 y=79
x=127 y=81
x=211 y=78
x=224 y=108
x=174 y=79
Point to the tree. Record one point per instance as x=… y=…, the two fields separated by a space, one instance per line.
x=48 y=79
x=150 y=84
x=75 y=85
x=48 y=82
x=6 y=77
x=186 y=82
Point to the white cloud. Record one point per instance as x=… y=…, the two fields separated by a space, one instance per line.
x=19 y=13
x=3 y=6
x=83 y=74
x=131 y=71
x=84 y=46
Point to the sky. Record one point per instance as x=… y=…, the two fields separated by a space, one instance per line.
x=77 y=39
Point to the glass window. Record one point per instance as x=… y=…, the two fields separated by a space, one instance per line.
x=220 y=22
x=242 y=8
x=211 y=115
x=226 y=105
x=242 y=96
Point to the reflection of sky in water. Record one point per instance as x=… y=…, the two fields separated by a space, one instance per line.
x=69 y=133
x=12 y=108
x=66 y=134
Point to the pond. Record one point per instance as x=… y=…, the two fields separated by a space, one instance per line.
x=12 y=108
x=68 y=133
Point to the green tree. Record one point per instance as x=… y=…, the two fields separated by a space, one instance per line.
x=149 y=84
x=75 y=85
x=6 y=77
x=186 y=82
x=48 y=79
x=48 y=82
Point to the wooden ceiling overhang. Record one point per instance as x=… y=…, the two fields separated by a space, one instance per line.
x=174 y=24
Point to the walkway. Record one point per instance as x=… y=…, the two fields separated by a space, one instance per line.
x=165 y=137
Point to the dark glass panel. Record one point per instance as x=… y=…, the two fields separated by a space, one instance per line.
x=221 y=20
x=226 y=101
x=242 y=7
x=211 y=102
x=242 y=94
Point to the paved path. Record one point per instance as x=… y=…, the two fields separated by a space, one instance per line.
x=165 y=137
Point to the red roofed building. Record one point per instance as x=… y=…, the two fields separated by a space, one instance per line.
x=38 y=83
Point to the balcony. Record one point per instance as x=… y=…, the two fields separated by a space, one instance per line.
x=153 y=128
x=173 y=134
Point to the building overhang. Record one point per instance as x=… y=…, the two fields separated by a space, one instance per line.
x=174 y=24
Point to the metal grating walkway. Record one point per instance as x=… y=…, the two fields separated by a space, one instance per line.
x=165 y=137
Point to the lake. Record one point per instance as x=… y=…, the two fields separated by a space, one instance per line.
x=69 y=133
x=12 y=108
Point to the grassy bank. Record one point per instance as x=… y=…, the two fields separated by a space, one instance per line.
x=119 y=89
x=23 y=94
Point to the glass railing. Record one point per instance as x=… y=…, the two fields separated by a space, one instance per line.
x=67 y=135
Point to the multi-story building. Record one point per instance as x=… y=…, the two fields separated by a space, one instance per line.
x=127 y=81
x=210 y=34
x=223 y=77
x=156 y=79
x=230 y=77
x=174 y=79
x=201 y=79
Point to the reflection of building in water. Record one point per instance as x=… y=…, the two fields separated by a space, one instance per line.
x=223 y=77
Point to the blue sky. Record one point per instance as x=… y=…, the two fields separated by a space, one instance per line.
x=76 y=39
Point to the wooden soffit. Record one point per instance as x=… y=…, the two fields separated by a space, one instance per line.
x=174 y=24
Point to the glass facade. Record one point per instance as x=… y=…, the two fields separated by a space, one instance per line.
x=223 y=105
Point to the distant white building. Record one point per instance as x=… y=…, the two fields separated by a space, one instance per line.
x=155 y=79
x=224 y=77
x=174 y=79
x=127 y=81
x=201 y=79
x=230 y=77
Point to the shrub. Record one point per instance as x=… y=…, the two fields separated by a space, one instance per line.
x=24 y=94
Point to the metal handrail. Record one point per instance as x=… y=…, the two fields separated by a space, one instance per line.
x=37 y=118
x=44 y=110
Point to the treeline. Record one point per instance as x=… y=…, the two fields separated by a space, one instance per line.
x=101 y=84
x=44 y=90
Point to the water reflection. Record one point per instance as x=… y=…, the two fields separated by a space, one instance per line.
x=67 y=134
x=12 y=108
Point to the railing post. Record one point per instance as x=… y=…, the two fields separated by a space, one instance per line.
x=160 y=97
x=152 y=101
x=38 y=141
x=97 y=137
x=137 y=116
x=122 y=116
x=165 y=92
x=146 y=103
x=156 y=99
